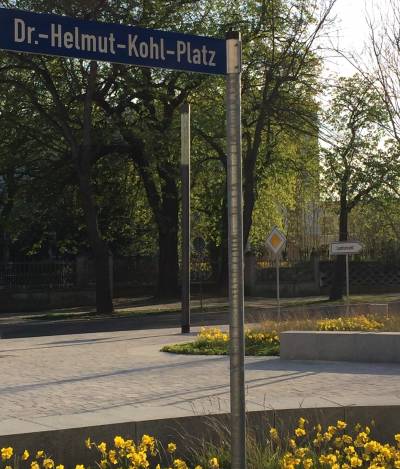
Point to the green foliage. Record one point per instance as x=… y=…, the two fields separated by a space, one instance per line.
x=356 y=162
x=135 y=130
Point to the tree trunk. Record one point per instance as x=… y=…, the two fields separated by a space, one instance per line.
x=168 y=266
x=339 y=273
x=104 y=304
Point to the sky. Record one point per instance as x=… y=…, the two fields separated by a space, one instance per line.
x=352 y=29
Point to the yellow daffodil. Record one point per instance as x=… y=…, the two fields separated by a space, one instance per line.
x=299 y=432
x=214 y=464
x=171 y=447
x=25 y=455
x=179 y=464
x=302 y=422
x=308 y=463
x=292 y=443
x=6 y=453
x=273 y=433
x=48 y=463
x=347 y=439
x=119 y=442
x=102 y=447
x=355 y=461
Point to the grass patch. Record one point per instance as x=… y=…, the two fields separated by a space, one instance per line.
x=193 y=348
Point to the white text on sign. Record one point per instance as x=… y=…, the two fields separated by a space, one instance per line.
x=151 y=48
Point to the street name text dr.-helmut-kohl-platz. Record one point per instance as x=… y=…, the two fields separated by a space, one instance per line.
x=22 y=31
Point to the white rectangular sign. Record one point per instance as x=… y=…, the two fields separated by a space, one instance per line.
x=345 y=247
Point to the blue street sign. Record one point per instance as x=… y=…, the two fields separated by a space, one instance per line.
x=22 y=31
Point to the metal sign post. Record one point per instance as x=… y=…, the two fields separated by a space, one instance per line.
x=276 y=242
x=347 y=285
x=235 y=217
x=346 y=248
x=278 y=296
x=185 y=177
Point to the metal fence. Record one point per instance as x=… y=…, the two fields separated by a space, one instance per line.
x=31 y=275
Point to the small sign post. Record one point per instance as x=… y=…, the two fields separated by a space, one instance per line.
x=276 y=242
x=346 y=248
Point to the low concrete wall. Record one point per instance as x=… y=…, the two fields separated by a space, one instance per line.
x=67 y=446
x=371 y=347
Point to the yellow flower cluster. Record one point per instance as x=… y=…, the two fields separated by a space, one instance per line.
x=124 y=454
x=39 y=461
x=255 y=337
x=337 y=449
x=212 y=334
x=355 y=323
x=128 y=455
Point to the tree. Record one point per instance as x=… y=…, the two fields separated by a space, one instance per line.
x=280 y=84
x=384 y=50
x=85 y=103
x=355 y=164
x=99 y=110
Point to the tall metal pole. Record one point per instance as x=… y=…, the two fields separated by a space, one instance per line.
x=235 y=217
x=185 y=174
x=347 y=285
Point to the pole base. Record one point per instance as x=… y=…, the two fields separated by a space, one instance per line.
x=185 y=329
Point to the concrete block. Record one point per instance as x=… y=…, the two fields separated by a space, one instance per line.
x=298 y=345
x=334 y=346
x=370 y=347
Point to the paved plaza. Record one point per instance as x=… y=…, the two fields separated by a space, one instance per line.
x=91 y=379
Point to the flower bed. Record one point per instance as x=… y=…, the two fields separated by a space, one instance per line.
x=356 y=323
x=264 y=342
x=124 y=454
x=335 y=447
x=212 y=341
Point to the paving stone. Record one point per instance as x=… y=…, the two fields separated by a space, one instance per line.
x=101 y=377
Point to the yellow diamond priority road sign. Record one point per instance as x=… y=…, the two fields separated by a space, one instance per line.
x=276 y=241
